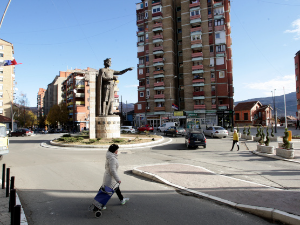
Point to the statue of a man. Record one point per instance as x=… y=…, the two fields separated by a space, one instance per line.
x=105 y=83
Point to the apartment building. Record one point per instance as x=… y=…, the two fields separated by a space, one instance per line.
x=297 y=76
x=7 y=79
x=40 y=102
x=184 y=62
x=76 y=94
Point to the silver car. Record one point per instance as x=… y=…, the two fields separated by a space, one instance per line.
x=216 y=131
x=127 y=129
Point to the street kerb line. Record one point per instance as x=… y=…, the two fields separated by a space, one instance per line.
x=269 y=213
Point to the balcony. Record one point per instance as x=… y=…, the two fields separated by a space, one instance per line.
x=159 y=109
x=198 y=93
x=157 y=27
x=209 y=16
x=210 y=29
x=80 y=86
x=196 y=4
x=140 y=43
x=199 y=107
x=195 y=17
x=140 y=65
x=218 y=4
x=220 y=28
x=157 y=16
x=198 y=80
x=159 y=48
x=156 y=2
x=80 y=103
x=213 y=80
x=79 y=95
x=158 y=62
x=196 y=42
x=197 y=54
x=158 y=72
x=147 y=74
x=196 y=29
x=213 y=106
x=158 y=84
x=159 y=96
x=116 y=96
x=223 y=106
x=159 y=36
x=198 y=67
x=140 y=33
x=213 y=93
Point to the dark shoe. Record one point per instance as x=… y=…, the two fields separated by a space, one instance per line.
x=238 y=149
x=231 y=150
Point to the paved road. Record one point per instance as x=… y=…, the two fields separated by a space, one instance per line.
x=57 y=185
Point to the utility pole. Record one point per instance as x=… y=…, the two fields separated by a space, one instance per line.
x=4 y=12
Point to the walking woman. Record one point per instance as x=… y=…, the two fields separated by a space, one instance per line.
x=111 y=177
x=235 y=140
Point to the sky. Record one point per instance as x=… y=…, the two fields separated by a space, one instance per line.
x=55 y=35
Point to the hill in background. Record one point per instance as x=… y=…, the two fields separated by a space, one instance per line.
x=291 y=103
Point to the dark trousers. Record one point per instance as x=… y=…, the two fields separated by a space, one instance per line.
x=233 y=143
x=118 y=192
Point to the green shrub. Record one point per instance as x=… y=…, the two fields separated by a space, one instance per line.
x=237 y=128
x=117 y=140
x=98 y=139
x=267 y=138
x=272 y=132
x=249 y=132
x=92 y=141
x=80 y=138
x=244 y=130
x=258 y=132
x=286 y=143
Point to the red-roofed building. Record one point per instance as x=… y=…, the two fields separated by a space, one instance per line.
x=252 y=113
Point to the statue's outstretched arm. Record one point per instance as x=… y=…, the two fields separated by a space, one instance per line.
x=123 y=71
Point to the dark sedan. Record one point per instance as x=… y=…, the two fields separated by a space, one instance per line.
x=195 y=139
x=174 y=131
x=21 y=132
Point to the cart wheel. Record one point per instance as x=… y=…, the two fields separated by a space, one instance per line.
x=98 y=214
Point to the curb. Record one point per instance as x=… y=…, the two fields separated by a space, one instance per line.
x=273 y=156
x=18 y=202
x=268 y=213
x=106 y=146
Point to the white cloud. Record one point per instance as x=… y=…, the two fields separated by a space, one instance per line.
x=296 y=25
x=265 y=88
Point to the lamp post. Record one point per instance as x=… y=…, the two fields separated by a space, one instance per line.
x=275 y=114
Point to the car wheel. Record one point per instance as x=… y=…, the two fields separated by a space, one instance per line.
x=204 y=146
x=224 y=137
x=187 y=145
x=174 y=135
x=212 y=135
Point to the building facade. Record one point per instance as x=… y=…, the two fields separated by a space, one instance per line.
x=184 y=62
x=40 y=102
x=7 y=79
x=297 y=77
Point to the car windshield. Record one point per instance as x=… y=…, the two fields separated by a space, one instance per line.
x=197 y=136
x=219 y=128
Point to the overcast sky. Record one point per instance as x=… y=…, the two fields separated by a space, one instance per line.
x=55 y=35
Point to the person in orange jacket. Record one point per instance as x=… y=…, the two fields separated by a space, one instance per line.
x=235 y=140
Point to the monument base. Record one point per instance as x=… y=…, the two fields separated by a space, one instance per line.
x=108 y=126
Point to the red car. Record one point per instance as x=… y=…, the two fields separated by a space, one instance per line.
x=147 y=127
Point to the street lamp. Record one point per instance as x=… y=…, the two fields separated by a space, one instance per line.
x=275 y=114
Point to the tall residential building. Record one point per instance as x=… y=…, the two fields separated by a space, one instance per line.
x=76 y=94
x=40 y=102
x=53 y=93
x=184 y=62
x=297 y=76
x=7 y=79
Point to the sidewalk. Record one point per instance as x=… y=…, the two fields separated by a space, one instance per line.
x=4 y=214
x=264 y=201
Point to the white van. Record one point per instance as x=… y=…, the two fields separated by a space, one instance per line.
x=165 y=126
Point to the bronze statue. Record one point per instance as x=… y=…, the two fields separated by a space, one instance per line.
x=105 y=83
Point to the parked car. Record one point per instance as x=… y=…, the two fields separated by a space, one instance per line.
x=195 y=139
x=147 y=127
x=127 y=129
x=21 y=132
x=174 y=131
x=165 y=126
x=216 y=131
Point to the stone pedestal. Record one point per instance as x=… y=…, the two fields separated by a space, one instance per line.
x=108 y=127
x=284 y=153
x=267 y=149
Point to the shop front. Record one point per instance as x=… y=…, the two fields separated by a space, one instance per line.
x=153 y=121
x=225 y=118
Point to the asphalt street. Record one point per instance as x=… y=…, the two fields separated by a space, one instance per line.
x=57 y=185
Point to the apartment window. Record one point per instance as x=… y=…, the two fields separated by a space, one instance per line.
x=180 y=42
x=146 y=15
x=218 y=35
x=141 y=71
x=141 y=60
x=181 y=76
x=1 y=86
x=141 y=94
x=219 y=11
x=245 y=116
x=178 y=19
x=211 y=48
x=1 y=111
x=213 y=88
x=210 y=23
x=139 y=106
x=179 y=53
x=222 y=74
x=178 y=9
x=296 y=66
x=196 y=89
x=1 y=71
x=180 y=64
x=297 y=89
x=1 y=47
x=220 y=48
x=146 y=4
x=141 y=28
x=237 y=116
x=1 y=94
x=147 y=70
x=195 y=37
x=148 y=92
x=195 y=13
x=220 y=102
x=147 y=58
x=220 y=60
x=219 y=22
x=296 y=78
x=1 y=78
x=156 y=9
x=140 y=16
x=209 y=11
x=141 y=39
x=213 y=101
x=179 y=31
x=160 y=104
x=147 y=81
x=1 y=55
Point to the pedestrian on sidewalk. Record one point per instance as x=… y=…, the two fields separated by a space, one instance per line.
x=111 y=177
x=235 y=140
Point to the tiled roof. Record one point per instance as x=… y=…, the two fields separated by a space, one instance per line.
x=246 y=105
x=4 y=119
